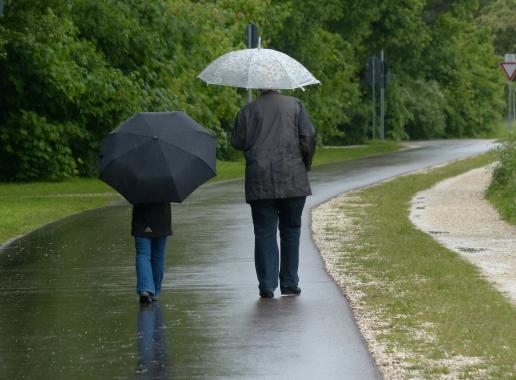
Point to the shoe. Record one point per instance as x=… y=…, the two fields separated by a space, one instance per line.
x=291 y=291
x=266 y=293
x=154 y=298
x=145 y=298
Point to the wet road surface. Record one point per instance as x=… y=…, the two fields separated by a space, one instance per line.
x=69 y=310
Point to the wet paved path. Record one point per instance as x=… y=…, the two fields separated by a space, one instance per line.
x=68 y=308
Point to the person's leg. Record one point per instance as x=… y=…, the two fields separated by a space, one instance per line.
x=266 y=257
x=290 y=210
x=144 y=280
x=158 y=262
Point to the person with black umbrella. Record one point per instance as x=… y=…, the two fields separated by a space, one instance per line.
x=152 y=159
x=151 y=225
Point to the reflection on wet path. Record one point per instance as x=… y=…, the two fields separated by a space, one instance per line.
x=69 y=308
x=152 y=343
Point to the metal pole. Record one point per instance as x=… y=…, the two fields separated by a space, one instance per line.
x=513 y=106
x=382 y=99
x=373 y=77
x=509 y=106
x=249 y=45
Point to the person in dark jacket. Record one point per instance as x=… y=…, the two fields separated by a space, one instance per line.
x=151 y=225
x=278 y=140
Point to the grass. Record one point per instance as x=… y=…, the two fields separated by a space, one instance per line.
x=323 y=155
x=429 y=303
x=27 y=206
x=24 y=207
x=502 y=190
x=326 y=155
x=499 y=131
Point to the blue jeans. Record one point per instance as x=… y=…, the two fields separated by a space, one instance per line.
x=150 y=261
x=268 y=216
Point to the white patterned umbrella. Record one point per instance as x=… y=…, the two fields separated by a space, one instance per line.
x=257 y=68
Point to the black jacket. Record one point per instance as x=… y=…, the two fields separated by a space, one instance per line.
x=151 y=220
x=278 y=140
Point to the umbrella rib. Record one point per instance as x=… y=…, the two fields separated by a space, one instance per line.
x=168 y=167
x=193 y=157
x=141 y=135
x=128 y=151
x=131 y=133
x=249 y=66
x=186 y=151
x=149 y=139
x=147 y=124
x=195 y=132
x=125 y=153
x=217 y=69
x=292 y=85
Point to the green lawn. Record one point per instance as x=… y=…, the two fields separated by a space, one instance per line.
x=424 y=300
x=24 y=207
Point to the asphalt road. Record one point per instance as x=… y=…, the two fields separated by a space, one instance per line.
x=69 y=310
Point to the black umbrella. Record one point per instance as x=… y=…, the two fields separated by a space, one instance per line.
x=157 y=157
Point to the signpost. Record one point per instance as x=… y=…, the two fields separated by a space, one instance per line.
x=509 y=69
x=382 y=97
x=371 y=68
x=251 y=39
x=376 y=73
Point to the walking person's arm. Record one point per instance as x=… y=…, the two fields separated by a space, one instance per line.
x=238 y=133
x=307 y=139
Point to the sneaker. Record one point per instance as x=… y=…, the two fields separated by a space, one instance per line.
x=266 y=293
x=145 y=297
x=291 y=291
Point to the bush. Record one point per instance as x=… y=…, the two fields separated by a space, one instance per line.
x=77 y=69
x=35 y=148
x=502 y=190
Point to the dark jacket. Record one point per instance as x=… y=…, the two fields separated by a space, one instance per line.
x=278 y=140
x=151 y=220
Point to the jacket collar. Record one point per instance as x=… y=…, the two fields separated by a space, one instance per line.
x=270 y=92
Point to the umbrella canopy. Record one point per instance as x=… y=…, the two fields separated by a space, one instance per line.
x=158 y=157
x=257 y=68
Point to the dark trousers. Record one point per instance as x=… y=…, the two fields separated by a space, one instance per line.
x=268 y=215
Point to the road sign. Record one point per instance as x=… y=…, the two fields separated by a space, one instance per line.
x=509 y=68
x=251 y=36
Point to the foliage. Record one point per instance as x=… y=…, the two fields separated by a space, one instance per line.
x=499 y=16
x=465 y=67
x=502 y=190
x=70 y=71
x=49 y=146
x=416 y=109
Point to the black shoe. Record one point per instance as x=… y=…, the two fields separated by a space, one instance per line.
x=291 y=291
x=266 y=293
x=145 y=298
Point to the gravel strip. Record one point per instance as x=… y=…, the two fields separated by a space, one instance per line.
x=455 y=213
